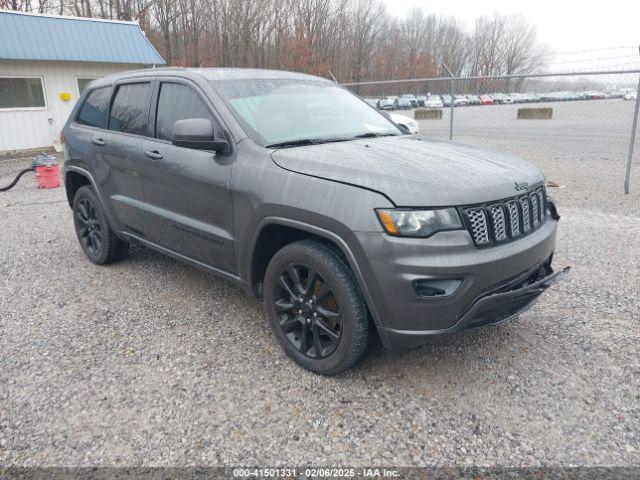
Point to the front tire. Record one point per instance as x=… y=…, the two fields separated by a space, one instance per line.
x=97 y=239
x=316 y=309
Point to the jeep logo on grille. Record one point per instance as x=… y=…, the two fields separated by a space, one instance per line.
x=522 y=186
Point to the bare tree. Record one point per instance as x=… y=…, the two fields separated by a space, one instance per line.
x=355 y=39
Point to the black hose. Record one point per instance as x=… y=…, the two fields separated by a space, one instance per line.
x=15 y=180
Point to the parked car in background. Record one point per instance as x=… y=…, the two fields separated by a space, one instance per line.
x=630 y=96
x=434 y=101
x=374 y=102
x=486 y=100
x=623 y=91
x=547 y=96
x=446 y=100
x=404 y=121
x=520 y=97
x=460 y=101
x=411 y=98
x=474 y=100
x=344 y=225
x=594 y=95
x=403 y=103
x=386 y=104
x=501 y=99
x=422 y=100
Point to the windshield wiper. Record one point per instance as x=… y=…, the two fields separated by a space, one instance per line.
x=301 y=142
x=375 y=135
x=305 y=141
x=294 y=143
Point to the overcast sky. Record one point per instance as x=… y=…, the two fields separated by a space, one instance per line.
x=564 y=26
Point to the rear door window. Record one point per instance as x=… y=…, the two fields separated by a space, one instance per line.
x=130 y=109
x=94 y=110
x=178 y=102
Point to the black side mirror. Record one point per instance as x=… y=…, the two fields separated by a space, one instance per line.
x=197 y=133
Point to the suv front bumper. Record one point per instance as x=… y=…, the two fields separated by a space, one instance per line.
x=494 y=283
x=495 y=307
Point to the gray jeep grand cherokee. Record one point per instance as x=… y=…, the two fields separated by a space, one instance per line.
x=299 y=191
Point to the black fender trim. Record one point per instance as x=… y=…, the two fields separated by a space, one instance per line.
x=94 y=184
x=334 y=238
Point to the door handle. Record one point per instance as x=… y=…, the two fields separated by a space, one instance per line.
x=153 y=154
x=98 y=141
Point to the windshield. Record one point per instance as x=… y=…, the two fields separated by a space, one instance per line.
x=275 y=112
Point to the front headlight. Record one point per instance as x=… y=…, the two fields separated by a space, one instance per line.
x=418 y=223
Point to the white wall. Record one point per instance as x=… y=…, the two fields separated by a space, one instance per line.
x=31 y=128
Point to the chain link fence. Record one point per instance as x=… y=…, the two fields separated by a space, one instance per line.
x=578 y=127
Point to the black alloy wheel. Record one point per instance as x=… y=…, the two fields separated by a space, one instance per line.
x=315 y=307
x=309 y=314
x=90 y=232
x=99 y=242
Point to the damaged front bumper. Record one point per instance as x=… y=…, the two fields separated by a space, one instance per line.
x=500 y=304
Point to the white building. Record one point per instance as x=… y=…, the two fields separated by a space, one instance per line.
x=46 y=61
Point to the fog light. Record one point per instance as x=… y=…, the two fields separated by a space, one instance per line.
x=428 y=288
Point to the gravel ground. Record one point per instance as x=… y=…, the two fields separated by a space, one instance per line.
x=151 y=362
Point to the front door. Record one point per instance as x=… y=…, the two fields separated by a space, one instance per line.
x=189 y=206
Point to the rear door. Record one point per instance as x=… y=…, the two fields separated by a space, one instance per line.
x=119 y=150
x=190 y=209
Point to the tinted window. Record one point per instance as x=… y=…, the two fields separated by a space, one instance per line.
x=94 y=109
x=177 y=102
x=21 y=93
x=130 y=109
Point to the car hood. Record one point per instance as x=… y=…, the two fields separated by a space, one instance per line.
x=414 y=171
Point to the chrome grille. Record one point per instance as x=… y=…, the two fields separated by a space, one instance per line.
x=507 y=219
x=541 y=202
x=526 y=213
x=479 y=227
x=514 y=218
x=499 y=222
x=535 y=210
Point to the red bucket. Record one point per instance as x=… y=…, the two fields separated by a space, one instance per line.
x=48 y=176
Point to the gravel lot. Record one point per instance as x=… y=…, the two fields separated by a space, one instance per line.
x=150 y=362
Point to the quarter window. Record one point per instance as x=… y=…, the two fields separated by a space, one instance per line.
x=94 y=109
x=178 y=102
x=130 y=109
x=21 y=93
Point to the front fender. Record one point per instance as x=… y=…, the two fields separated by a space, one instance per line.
x=347 y=244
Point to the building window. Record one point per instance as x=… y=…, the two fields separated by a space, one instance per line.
x=82 y=84
x=21 y=93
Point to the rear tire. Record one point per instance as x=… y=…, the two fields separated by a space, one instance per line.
x=316 y=309
x=97 y=239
